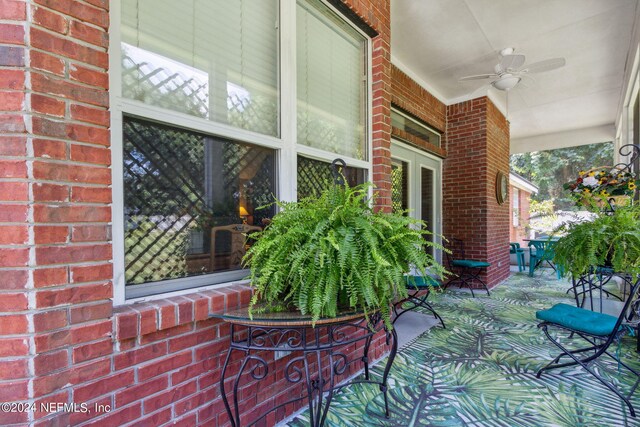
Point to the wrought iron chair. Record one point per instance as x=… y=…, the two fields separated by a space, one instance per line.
x=415 y=285
x=599 y=330
x=516 y=249
x=467 y=271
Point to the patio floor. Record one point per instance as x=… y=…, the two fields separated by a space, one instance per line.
x=480 y=371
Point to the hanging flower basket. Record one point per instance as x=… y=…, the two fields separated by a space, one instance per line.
x=595 y=187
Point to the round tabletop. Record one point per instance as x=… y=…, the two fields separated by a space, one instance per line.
x=259 y=317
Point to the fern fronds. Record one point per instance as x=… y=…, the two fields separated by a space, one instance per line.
x=320 y=255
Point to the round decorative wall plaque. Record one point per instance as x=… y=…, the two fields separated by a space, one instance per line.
x=502 y=188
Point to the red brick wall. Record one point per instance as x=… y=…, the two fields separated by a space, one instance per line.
x=498 y=215
x=61 y=339
x=414 y=99
x=377 y=13
x=477 y=148
x=56 y=276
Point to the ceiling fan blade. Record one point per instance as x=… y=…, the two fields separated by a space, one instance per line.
x=477 y=77
x=546 y=65
x=511 y=62
x=527 y=82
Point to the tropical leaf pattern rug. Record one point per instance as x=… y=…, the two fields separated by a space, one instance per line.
x=480 y=371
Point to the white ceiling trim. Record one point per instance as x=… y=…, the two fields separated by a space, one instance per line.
x=497 y=100
x=572 y=138
x=630 y=85
x=418 y=80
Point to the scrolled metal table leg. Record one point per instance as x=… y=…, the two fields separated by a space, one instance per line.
x=235 y=419
x=392 y=355
x=365 y=356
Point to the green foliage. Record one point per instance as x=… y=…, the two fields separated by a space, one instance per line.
x=322 y=254
x=609 y=240
x=544 y=207
x=548 y=170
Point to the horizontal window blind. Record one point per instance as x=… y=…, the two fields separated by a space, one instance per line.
x=215 y=59
x=331 y=82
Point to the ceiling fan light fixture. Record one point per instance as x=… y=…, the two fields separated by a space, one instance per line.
x=506 y=82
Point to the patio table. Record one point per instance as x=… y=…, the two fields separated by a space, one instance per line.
x=321 y=346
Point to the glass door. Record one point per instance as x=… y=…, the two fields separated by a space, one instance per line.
x=416 y=185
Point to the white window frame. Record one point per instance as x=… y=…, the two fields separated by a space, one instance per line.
x=515 y=194
x=420 y=123
x=286 y=146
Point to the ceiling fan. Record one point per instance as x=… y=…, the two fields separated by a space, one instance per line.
x=509 y=72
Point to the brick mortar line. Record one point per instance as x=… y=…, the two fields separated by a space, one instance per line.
x=30 y=210
x=69 y=37
x=68 y=79
x=70 y=162
x=66 y=60
x=99 y=9
x=69 y=119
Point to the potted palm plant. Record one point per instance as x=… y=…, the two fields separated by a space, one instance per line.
x=321 y=255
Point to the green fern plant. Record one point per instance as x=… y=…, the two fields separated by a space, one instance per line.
x=320 y=255
x=611 y=240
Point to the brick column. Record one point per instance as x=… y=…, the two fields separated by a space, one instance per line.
x=16 y=237
x=55 y=254
x=477 y=148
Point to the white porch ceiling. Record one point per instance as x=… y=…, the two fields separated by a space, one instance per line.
x=439 y=41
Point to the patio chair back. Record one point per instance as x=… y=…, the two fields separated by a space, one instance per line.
x=543 y=250
x=455 y=250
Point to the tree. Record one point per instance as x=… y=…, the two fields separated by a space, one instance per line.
x=549 y=169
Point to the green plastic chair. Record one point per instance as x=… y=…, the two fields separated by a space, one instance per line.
x=516 y=249
x=541 y=251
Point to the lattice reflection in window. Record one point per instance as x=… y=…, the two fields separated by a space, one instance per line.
x=315 y=175
x=399 y=179
x=178 y=185
x=156 y=80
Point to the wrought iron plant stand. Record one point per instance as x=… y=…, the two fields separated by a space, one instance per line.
x=322 y=357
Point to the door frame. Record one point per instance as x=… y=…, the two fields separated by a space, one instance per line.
x=416 y=160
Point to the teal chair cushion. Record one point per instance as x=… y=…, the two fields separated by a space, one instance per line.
x=469 y=263
x=579 y=319
x=421 y=282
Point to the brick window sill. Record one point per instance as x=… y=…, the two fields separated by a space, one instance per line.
x=139 y=319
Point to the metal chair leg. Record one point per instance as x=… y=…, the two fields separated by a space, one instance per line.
x=585 y=362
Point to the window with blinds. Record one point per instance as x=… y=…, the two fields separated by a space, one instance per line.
x=214 y=59
x=198 y=119
x=331 y=82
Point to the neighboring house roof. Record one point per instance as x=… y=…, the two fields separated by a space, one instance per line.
x=517 y=181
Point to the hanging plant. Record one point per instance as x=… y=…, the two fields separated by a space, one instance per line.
x=611 y=240
x=594 y=187
x=322 y=255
